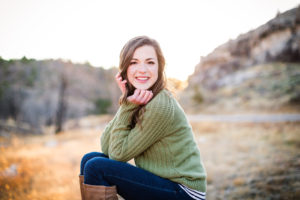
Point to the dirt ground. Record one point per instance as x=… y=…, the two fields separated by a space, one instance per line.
x=243 y=161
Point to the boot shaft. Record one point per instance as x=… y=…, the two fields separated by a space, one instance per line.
x=98 y=192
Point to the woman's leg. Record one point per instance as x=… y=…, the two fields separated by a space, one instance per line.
x=91 y=192
x=89 y=156
x=132 y=183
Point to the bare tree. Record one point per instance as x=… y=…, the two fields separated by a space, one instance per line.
x=62 y=104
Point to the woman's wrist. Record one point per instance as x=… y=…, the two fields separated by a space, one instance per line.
x=140 y=97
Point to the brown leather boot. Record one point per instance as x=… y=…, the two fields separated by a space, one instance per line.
x=99 y=192
x=81 y=178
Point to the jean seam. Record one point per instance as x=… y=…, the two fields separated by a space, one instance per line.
x=144 y=185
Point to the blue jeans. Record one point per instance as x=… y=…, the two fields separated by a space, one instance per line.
x=132 y=183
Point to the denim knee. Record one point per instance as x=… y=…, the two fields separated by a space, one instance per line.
x=96 y=164
x=95 y=169
x=87 y=157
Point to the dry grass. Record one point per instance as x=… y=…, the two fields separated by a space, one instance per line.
x=251 y=161
x=47 y=166
x=243 y=161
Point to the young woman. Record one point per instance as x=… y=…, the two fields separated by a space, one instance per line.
x=151 y=127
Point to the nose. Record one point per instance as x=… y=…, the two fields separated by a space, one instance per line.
x=142 y=68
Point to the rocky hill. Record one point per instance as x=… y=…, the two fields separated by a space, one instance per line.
x=35 y=94
x=255 y=68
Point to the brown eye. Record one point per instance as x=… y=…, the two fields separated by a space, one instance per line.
x=151 y=63
x=133 y=63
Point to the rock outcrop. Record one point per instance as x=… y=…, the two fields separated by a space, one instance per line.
x=277 y=41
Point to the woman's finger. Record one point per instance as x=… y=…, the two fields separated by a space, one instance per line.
x=117 y=75
x=121 y=83
x=145 y=97
x=133 y=97
x=141 y=96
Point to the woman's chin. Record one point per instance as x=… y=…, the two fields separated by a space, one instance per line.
x=142 y=86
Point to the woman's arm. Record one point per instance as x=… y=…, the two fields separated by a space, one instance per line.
x=126 y=143
x=105 y=137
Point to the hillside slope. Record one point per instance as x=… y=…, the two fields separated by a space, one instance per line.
x=272 y=50
x=33 y=92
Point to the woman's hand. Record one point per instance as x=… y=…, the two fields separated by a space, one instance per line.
x=140 y=97
x=121 y=83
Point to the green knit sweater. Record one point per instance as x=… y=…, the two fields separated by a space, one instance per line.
x=164 y=145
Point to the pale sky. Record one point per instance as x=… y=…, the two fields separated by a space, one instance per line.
x=96 y=30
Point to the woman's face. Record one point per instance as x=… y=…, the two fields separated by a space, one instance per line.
x=142 y=72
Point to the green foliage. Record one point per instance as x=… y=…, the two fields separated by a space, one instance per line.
x=294 y=88
x=101 y=106
x=30 y=79
x=87 y=63
x=4 y=64
x=288 y=84
x=278 y=83
x=2 y=61
x=197 y=96
x=25 y=60
x=4 y=86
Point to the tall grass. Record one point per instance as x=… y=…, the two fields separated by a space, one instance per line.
x=243 y=161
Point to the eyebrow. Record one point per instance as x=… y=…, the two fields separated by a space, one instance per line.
x=146 y=59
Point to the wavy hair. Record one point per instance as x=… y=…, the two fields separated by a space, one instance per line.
x=125 y=59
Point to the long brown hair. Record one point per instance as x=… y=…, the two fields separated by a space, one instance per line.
x=125 y=59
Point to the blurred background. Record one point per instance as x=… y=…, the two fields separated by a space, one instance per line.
x=234 y=67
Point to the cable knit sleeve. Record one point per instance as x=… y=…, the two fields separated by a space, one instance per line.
x=126 y=143
x=105 y=136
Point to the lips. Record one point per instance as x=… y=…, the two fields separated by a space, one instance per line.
x=142 y=78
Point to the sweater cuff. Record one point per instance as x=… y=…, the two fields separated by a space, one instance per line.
x=125 y=112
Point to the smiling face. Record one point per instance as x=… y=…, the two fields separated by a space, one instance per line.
x=142 y=72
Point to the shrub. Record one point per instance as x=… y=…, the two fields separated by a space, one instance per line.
x=101 y=106
x=197 y=95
